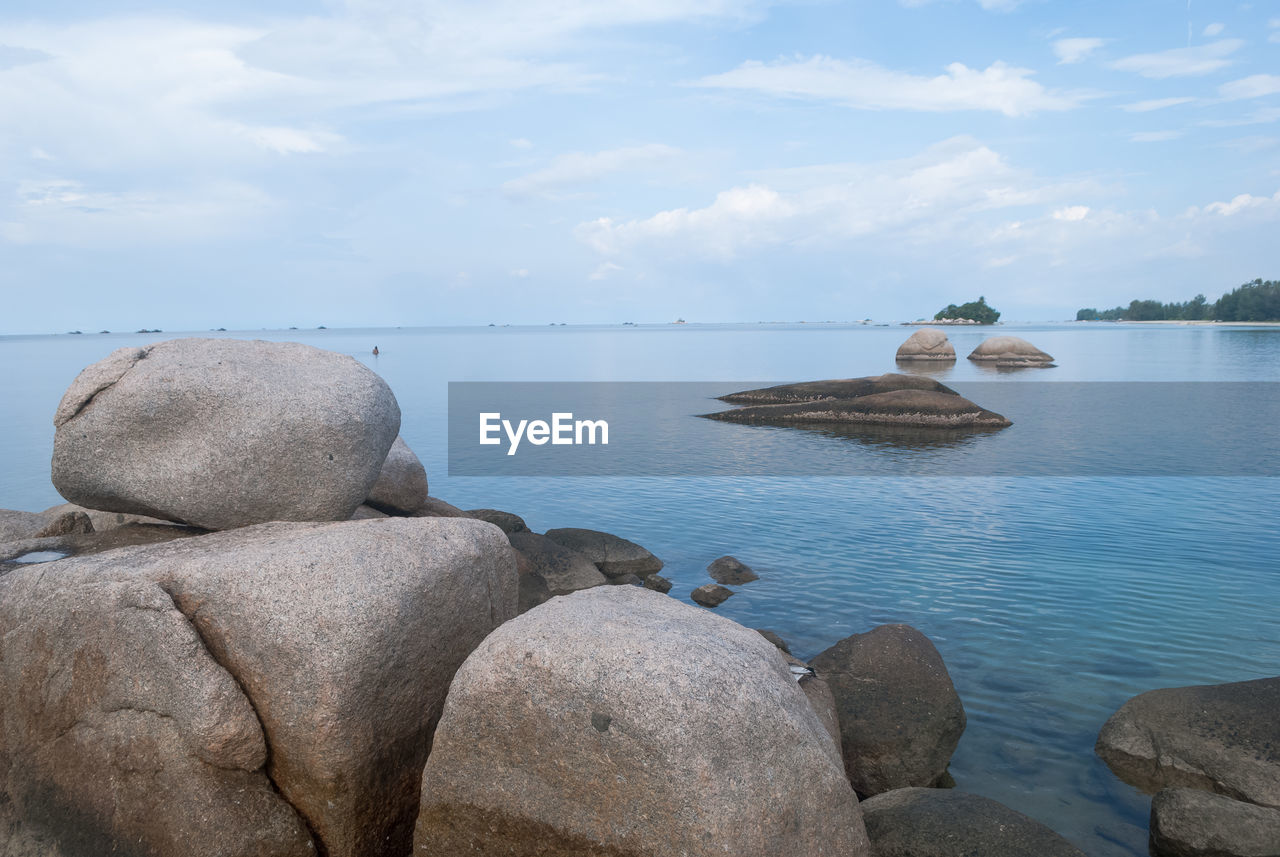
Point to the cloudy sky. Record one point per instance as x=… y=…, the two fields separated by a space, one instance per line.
x=265 y=163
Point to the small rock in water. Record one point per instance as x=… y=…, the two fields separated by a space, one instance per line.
x=657 y=583
x=612 y=554
x=711 y=595
x=731 y=571
x=927 y=343
x=1011 y=352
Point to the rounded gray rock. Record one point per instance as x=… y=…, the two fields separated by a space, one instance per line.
x=223 y=433
x=919 y=822
x=508 y=522
x=621 y=722
x=613 y=555
x=731 y=571
x=1010 y=351
x=563 y=570
x=401 y=488
x=900 y=716
x=1193 y=823
x=927 y=343
x=711 y=595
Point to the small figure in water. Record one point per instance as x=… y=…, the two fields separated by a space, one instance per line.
x=375 y=351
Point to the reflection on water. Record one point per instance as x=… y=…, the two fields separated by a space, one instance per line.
x=899 y=439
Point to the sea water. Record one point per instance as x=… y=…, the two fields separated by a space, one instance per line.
x=1052 y=599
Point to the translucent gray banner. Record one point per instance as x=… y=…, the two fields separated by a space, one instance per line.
x=1058 y=429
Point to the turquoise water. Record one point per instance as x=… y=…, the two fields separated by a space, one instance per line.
x=1052 y=599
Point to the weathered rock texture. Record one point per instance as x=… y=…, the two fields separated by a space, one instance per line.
x=844 y=388
x=17 y=526
x=1223 y=738
x=563 y=570
x=508 y=522
x=1010 y=351
x=401 y=488
x=900 y=716
x=336 y=641
x=613 y=555
x=222 y=433
x=620 y=722
x=916 y=408
x=711 y=595
x=102 y=521
x=927 y=343
x=918 y=822
x=85 y=544
x=731 y=571
x=1193 y=823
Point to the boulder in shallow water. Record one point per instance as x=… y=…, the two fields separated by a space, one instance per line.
x=563 y=570
x=222 y=433
x=900 y=716
x=731 y=571
x=1194 y=823
x=919 y=822
x=613 y=555
x=657 y=583
x=907 y=408
x=401 y=488
x=929 y=344
x=621 y=722
x=1223 y=738
x=340 y=639
x=1010 y=351
x=711 y=595
x=843 y=388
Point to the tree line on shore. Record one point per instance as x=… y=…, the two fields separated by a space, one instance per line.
x=978 y=311
x=1255 y=301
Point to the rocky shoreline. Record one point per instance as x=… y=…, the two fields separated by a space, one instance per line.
x=268 y=638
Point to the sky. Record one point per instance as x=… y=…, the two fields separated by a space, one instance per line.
x=191 y=165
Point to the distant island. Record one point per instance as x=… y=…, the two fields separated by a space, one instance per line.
x=976 y=311
x=1255 y=301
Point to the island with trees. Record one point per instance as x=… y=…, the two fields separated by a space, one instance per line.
x=978 y=312
x=1255 y=301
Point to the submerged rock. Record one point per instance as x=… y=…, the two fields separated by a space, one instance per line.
x=731 y=571
x=900 y=715
x=613 y=555
x=340 y=639
x=623 y=723
x=563 y=570
x=844 y=388
x=920 y=822
x=1223 y=738
x=401 y=488
x=927 y=343
x=657 y=583
x=222 y=433
x=1194 y=823
x=711 y=595
x=915 y=408
x=1010 y=351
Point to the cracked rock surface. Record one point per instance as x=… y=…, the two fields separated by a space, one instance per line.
x=267 y=691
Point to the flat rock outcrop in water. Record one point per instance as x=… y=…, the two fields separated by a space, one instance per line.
x=841 y=388
x=918 y=822
x=915 y=408
x=1222 y=738
x=900 y=715
x=928 y=344
x=1193 y=823
x=239 y=692
x=1010 y=351
x=621 y=722
x=223 y=433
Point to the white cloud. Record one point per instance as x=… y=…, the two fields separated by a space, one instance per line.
x=1253 y=86
x=1244 y=202
x=941 y=189
x=578 y=168
x=1154 y=136
x=1261 y=116
x=1156 y=104
x=989 y=5
x=520 y=273
x=604 y=270
x=863 y=84
x=1075 y=50
x=521 y=143
x=1181 y=62
x=1214 y=29
x=1072 y=213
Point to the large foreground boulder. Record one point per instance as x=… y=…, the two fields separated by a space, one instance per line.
x=927 y=343
x=909 y=408
x=401 y=488
x=1010 y=351
x=621 y=722
x=1192 y=823
x=900 y=716
x=222 y=433
x=263 y=685
x=613 y=555
x=919 y=822
x=1223 y=738
x=842 y=388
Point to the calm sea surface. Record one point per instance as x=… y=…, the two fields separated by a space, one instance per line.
x=1052 y=599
